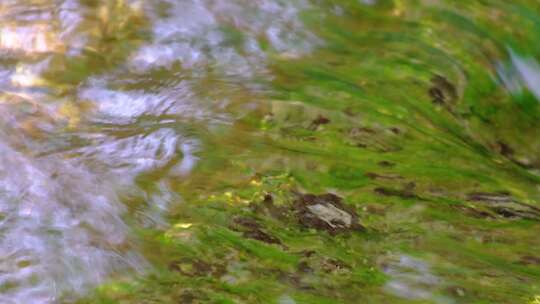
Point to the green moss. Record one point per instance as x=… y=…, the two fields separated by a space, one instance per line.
x=371 y=81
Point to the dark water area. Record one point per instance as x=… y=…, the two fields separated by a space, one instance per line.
x=269 y=151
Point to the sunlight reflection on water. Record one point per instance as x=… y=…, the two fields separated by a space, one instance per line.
x=411 y=278
x=61 y=228
x=61 y=219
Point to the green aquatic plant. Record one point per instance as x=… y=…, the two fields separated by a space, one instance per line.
x=357 y=152
x=400 y=113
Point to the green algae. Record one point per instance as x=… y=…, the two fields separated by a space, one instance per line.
x=405 y=163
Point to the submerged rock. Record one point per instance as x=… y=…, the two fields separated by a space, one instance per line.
x=503 y=205
x=326 y=212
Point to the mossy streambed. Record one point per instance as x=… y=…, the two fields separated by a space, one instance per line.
x=300 y=151
x=401 y=113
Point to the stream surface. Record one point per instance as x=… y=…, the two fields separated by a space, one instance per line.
x=165 y=151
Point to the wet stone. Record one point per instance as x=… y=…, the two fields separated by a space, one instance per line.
x=474 y=212
x=503 y=205
x=326 y=212
x=489 y=197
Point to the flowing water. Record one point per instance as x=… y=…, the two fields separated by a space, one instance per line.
x=160 y=151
